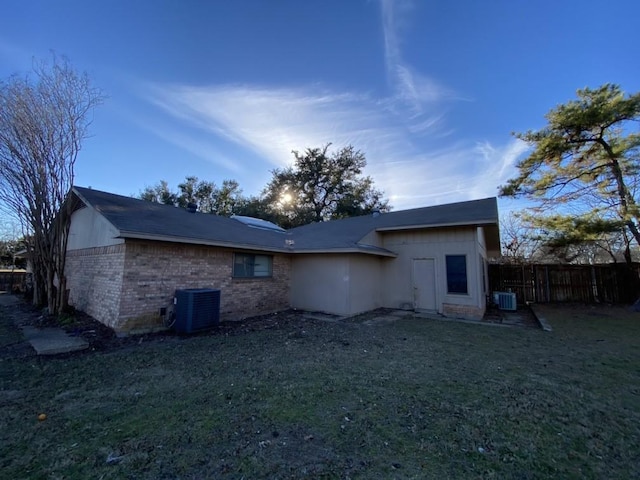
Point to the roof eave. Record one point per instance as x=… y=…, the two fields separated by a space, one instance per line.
x=378 y=253
x=476 y=223
x=200 y=241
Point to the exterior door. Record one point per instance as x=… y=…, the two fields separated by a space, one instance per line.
x=424 y=284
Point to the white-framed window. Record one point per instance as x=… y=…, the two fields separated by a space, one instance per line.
x=249 y=265
x=457 y=274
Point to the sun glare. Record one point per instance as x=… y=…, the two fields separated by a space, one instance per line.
x=286 y=198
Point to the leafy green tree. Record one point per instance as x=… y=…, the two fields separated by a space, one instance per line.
x=206 y=195
x=582 y=172
x=322 y=186
x=199 y=192
x=228 y=198
x=159 y=193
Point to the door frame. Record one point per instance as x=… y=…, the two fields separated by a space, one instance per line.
x=414 y=287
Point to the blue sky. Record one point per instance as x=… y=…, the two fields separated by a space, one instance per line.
x=430 y=91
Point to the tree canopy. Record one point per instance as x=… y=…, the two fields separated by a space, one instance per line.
x=44 y=117
x=207 y=196
x=582 y=172
x=322 y=186
x=319 y=186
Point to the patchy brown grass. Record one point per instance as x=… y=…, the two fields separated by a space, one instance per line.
x=286 y=397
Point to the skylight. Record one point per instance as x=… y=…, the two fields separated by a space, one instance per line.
x=258 y=223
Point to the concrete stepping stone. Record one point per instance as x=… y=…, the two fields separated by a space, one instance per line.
x=53 y=341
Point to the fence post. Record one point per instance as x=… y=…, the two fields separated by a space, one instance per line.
x=547 y=283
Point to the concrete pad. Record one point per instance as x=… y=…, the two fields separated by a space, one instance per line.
x=546 y=326
x=52 y=341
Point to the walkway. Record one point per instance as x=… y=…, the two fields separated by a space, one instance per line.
x=45 y=341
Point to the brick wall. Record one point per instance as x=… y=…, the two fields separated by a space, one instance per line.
x=462 y=311
x=94 y=280
x=153 y=271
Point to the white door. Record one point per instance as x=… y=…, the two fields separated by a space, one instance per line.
x=424 y=284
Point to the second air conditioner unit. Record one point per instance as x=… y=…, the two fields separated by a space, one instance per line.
x=505 y=300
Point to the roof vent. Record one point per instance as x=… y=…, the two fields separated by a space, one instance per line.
x=375 y=213
x=192 y=207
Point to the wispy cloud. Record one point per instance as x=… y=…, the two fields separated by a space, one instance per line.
x=459 y=172
x=416 y=89
x=411 y=151
x=272 y=122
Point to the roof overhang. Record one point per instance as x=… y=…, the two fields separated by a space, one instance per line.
x=199 y=241
x=476 y=223
x=492 y=240
x=375 y=251
x=364 y=249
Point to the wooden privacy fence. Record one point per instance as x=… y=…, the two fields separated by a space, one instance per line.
x=12 y=280
x=541 y=283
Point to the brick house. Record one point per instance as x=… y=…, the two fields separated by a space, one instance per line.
x=127 y=257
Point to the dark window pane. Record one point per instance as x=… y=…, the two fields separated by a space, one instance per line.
x=248 y=265
x=456 y=274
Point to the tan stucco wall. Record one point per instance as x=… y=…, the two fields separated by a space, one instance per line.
x=90 y=229
x=372 y=238
x=397 y=288
x=343 y=284
x=320 y=283
x=365 y=272
x=482 y=244
x=346 y=284
x=483 y=274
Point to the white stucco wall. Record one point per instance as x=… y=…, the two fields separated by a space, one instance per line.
x=89 y=229
x=397 y=288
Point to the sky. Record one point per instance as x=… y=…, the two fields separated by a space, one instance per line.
x=429 y=90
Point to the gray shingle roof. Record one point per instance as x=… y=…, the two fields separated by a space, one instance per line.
x=141 y=219
x=350 y=231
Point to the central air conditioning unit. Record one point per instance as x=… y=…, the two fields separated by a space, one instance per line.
x=505 y=300
x=196 y=309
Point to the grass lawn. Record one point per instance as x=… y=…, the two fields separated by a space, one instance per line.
x=413 y=398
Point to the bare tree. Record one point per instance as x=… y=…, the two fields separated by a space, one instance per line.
x=520 y=241
x=44 y=116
